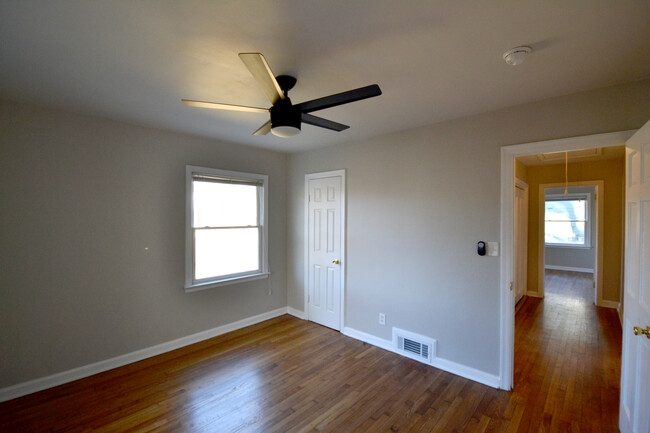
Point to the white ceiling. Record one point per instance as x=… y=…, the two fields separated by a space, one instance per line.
x=434 y=60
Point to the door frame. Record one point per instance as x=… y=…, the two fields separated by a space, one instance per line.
x=321 y=175
x=524 y=187
x=508 y=154
x=596 y=238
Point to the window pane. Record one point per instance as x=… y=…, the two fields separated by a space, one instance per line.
x=224 y=205
x=225 y=251
x=566 y=210
x=564 y=232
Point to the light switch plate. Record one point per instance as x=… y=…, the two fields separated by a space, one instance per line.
x=492 y=248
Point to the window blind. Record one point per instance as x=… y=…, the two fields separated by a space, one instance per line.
x=216 y=179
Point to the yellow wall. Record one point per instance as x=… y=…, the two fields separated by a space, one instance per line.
x=612 y=172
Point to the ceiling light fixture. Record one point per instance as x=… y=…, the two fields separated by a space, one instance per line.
x=516 y=55
x=285 y=131
x=285 y=119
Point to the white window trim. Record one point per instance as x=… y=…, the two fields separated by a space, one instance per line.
x=587 y=197
x=192 y=285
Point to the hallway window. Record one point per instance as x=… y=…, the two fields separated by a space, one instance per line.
x=566 y=220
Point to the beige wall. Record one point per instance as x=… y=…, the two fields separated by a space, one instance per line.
x=92 y=240
x=612 y=172
x=418 y=202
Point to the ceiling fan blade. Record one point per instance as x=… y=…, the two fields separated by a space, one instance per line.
x=340 y=98
x=261 y=71
x=215 y=106
x=323 y=123
x=264 y=129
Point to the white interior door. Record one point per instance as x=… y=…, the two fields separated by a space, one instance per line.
x=325 y=261
x=521 y=239
x=635 y=367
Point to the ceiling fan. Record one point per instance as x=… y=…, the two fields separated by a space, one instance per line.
x=286 y=117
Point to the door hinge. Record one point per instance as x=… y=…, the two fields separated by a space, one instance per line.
x=511 y=287
x=594 y=284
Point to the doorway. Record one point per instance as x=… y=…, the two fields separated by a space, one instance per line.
x=580 y=250
x=508 y=155
x=325 y=248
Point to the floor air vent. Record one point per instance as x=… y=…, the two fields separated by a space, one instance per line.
x=414 y=346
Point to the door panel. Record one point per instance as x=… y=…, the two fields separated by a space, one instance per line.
x=635 y=362
x=324 y=251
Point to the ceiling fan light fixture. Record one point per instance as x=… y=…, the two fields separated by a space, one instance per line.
x=516 y=56
x=285 y=131
x=285 y=119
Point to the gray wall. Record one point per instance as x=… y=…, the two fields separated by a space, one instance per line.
x=569 y=256
x=418 y=201
x=81 y=199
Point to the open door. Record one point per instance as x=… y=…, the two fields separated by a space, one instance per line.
x=635 y=367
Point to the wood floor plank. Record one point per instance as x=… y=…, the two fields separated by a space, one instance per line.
x=288 y=375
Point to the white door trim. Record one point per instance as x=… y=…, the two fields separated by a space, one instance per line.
x=308 y=177
x=508 y=154
x=596 y=238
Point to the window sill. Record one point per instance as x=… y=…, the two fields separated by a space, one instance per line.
x=576 y=247
x=225 y=282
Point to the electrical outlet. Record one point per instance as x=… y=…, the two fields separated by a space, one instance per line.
x=382 y=319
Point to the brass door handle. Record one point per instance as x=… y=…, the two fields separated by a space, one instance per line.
x=336 y=262
x=641 y=331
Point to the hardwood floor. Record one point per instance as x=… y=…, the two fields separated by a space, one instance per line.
x=288 y=375
x=568 y=358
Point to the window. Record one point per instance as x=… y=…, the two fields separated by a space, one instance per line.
x=226 y=232
x=566 y=220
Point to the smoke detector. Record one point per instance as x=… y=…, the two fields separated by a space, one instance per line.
x=516 y=55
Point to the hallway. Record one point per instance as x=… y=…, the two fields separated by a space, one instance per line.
x=567 y=358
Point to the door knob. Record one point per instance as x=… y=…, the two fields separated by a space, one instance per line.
x=641 y=331
x=336 y=262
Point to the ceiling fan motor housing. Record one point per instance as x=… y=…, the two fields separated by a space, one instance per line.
x=285 y=114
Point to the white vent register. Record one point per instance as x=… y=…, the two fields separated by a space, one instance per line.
x=414 y=346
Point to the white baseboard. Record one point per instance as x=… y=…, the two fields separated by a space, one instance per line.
x=568 y=268
x=441 y=363
x=367 y=338
x=467 y=372
x=296 y=313
x=608 y=304
x=20 y=389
